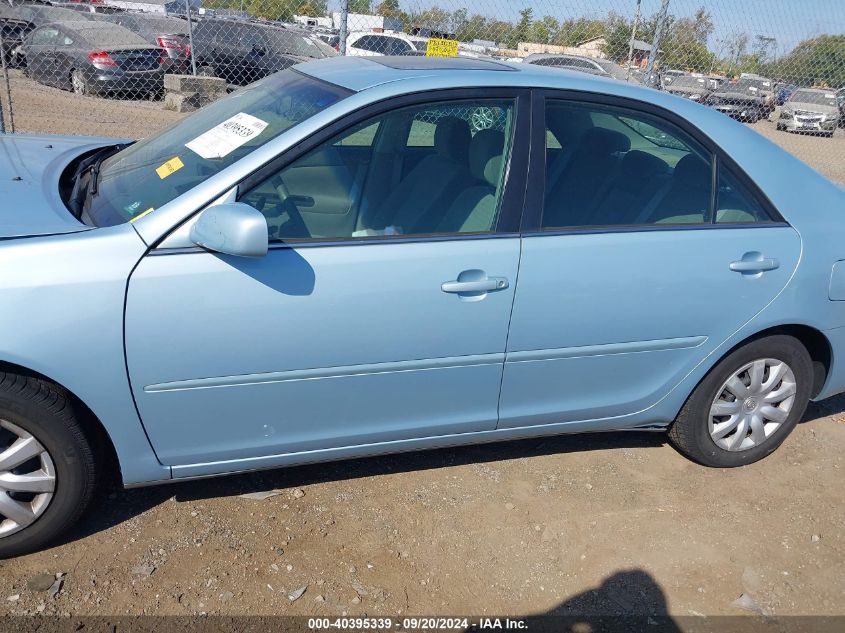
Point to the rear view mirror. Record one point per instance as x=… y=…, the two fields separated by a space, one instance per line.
x=232 y=228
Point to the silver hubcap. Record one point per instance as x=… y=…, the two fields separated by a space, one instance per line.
x=27 y=479
x=752 y=404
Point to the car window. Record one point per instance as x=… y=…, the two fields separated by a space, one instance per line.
x=46 y=35
x=365 y=42
x=735 y=203
x=346 y=189
x=425 y=122
x=395 y=46
x=609 y=166
x=152 y=172
x=615 y=167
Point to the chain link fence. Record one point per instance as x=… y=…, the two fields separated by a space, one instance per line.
x=127 y=68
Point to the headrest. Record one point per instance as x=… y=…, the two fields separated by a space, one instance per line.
x=451 y=138
x=693 y=170
x=485 y=155
x=567 y=123
x=638 y=166
x=599 y=140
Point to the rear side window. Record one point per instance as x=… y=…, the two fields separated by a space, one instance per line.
x=735 y=204
x=609 y=166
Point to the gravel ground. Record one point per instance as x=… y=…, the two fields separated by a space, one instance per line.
x=613 y=523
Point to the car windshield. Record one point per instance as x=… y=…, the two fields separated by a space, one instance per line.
x=814 y=97
x=154 y=171
x=690 y=82
x=294 y=43
x=748 y=86
x=614 y=70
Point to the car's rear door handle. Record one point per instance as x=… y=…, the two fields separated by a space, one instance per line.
x=479 y=285
x=754 y=264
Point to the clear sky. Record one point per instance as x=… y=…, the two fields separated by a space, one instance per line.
x=789 y=21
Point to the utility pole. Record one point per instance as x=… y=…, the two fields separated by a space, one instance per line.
x=191 y=37
x=342 y=34
x=8 y=93
x=655 y=42
x=633 y=36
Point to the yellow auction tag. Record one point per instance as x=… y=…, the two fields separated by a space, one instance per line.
x=438 y=47
x=142 y=214
x=174 y=164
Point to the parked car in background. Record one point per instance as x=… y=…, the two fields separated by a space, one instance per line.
x=20 y=20
x=237 y=292
x=668 y=76
x=840 y=99
x=782 y=93
x=590 y=65
x=812 y=111
x=94 y=57
x=741 y=99
x=765 y=88
x=242 y=52
x=14 y=31
x=368 y=44
x=88 y=7
x=168 y=33
x=690 y=87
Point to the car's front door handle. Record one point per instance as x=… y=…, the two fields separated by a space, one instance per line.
x=480 y=285
x=756 y=265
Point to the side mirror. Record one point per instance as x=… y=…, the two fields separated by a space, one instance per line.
x=232 y=228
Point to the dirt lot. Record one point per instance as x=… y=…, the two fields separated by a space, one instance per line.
x=613 y=523
x=605 y=523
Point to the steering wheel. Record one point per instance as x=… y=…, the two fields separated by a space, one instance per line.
x=298 y=226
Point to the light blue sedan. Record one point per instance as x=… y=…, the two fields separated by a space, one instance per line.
x=362 y=256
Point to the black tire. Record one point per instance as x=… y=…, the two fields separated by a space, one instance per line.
x=46 y=412
x=690 y=433
x=780 y=127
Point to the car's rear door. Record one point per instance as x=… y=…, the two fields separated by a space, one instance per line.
x=628 y=278
x=367 y=334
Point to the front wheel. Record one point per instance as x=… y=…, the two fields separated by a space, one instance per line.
x=747 y=405
x=47 y=468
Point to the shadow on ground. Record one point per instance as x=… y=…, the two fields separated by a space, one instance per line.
x=629 y=600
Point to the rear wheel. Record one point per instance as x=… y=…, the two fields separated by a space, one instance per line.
x=78 y=83
x=47 y=468
x=747 y=405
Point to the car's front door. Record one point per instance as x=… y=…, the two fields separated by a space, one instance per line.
x=379 y=314
x=636 y=269
x=41 y=53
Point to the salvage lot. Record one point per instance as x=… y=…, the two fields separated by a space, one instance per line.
x=610 y=523
x=40 y=108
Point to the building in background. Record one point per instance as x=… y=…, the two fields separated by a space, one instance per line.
x=594 y=47
x=323 y=22
x=366 y=22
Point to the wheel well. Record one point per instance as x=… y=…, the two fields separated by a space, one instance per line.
x=816 y=343
x=94 y=430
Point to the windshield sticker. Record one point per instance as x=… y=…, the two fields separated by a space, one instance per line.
x=225 y=138
x=174 y=164
x=132 y=208
x=142 y=214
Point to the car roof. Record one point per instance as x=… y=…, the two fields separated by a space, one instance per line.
x=363 y=73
